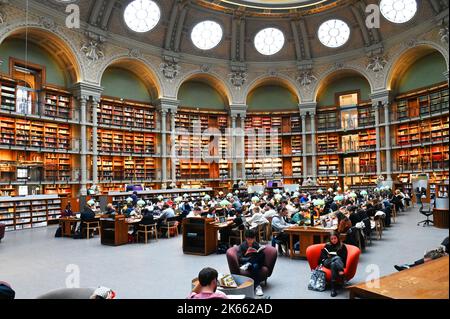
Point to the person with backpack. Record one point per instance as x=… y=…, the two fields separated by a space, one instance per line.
x=334 y=257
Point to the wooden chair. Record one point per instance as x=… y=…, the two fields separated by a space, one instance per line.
x=147 y=230
x=239 y=236
x=170 y=226
x=378 y=226
x=394 y=214
x=91 y=226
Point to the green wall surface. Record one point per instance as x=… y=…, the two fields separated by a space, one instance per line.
x=426 y=71
x=15 y=48
x=349 y=83
x=201 y=95
x=124 y=84
x=272 y=98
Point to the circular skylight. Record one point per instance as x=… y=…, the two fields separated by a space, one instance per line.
x=398 y=11
x=269 y=41
x=206 y=35
x=334 y=33
x=142 y=15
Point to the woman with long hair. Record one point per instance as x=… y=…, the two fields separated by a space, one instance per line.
x=334 y=257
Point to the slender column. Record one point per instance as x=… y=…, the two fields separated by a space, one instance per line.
x=233 y=147
x=312 y=117
x=387 y=134
x=243 y=174
x=163 y=146
x=378 y=139
x=305 y=158
x=173 y=139
x=94 y=141
x=83 y=164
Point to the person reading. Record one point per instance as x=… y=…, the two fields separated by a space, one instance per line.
x=251 y=257
x=207 y=286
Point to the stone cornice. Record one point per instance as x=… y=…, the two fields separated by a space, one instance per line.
x=87 y=89
x=167 y=104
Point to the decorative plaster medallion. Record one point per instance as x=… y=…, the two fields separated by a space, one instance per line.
x=47 y=23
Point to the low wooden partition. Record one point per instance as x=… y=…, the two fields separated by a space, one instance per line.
x=114 y=231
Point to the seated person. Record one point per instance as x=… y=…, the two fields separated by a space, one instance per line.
x=299 y=216
x=344 y=224
x=167 y=212
x=126 y=210
x=6 y=292
x=212 y=213
x=196 y=212
x=87 y=215
x=103 y=293
x=67 y=212
x=250 y=258
x=110 y=210
x=279 y=224
x=185 y=208
x=334 y=257
x=439 y=252
x=257 y=218
x=207 y=286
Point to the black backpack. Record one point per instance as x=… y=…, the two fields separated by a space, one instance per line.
x=58 y=232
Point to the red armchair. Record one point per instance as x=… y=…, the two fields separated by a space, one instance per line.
x=353 y=252
x=2 y=231
x=270 y=254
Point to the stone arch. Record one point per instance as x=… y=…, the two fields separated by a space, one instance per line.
x=278 y=79
x=56 y=43
x=138 y=66
x=329 y=76
x=212 y=79
x=403 y=59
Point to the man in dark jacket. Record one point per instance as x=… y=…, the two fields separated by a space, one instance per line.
x=87 y=215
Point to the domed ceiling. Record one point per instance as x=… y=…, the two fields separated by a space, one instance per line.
x=271 y=7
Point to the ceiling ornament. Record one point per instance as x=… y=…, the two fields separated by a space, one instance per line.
x=92 y=49
x=306 y=78
x=170 y=68
x=2 y=12
x=135 y=53
x=205 y=68
x=48 y=23
x=376 y=64
x=238 y=77
x=443 y=33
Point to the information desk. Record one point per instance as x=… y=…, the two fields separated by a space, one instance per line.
x=440 y=218
x=426 y=281
x=307 y=236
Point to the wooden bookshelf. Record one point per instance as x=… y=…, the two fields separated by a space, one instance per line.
x=8 y=95
x=436 y=179
x=28 y=133
x=366 y=115
x=422 y=103
x=328 y=120
x=367 y=139
x=127 y=114
x=115 y=141
x=327 y=143
x=118 y=168
x=328 y=165
x=426 y=131
x=27 y=212
x=57 y=167
x=421 y=158
x=368 y=162
x=58 y=103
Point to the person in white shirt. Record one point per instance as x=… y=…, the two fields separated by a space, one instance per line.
x=195 y=213
x=257 y=218
x=269 y=211
x=279 y=224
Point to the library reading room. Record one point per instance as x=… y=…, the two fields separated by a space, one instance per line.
x=224 y=149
